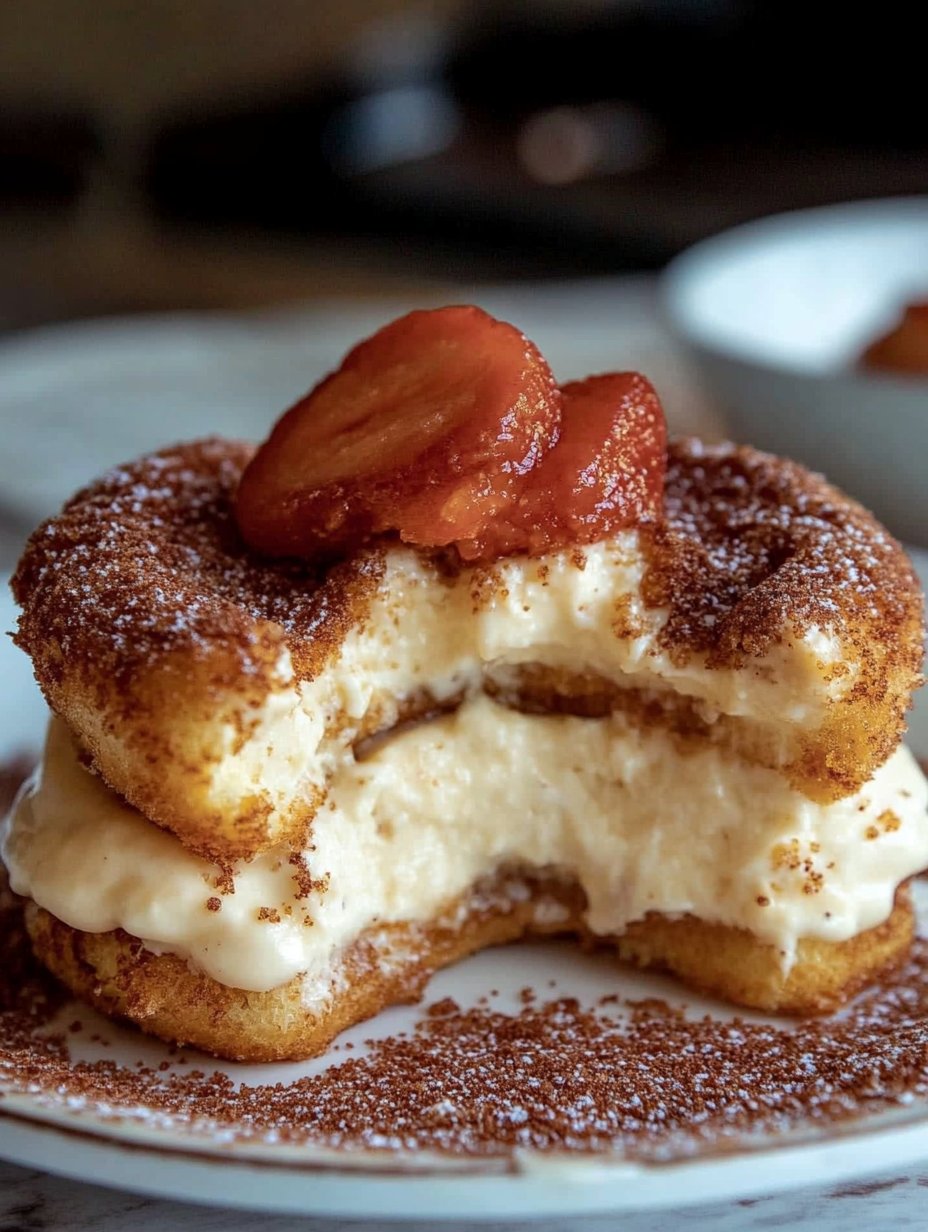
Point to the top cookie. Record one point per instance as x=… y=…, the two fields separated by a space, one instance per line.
x=219 y=692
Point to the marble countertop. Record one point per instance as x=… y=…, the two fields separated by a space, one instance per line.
x=33 y=1202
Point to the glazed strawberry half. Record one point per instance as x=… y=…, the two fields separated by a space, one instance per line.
x=425 y=429
x=447 y=428
x=606 y=472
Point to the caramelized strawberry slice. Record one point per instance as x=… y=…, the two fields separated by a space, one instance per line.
x=612 y=456
x=428 y=428
x=605 y=473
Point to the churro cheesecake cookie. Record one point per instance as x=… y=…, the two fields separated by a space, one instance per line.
x=460 y=656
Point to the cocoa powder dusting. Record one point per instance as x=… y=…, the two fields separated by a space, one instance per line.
x=482 y=1083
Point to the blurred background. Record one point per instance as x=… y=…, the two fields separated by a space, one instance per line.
x=216 y=153
x=353 y=158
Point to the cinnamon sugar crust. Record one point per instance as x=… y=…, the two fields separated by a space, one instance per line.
x=150 y=626
x=391 y=965
x=147 y=562
x=155 y=633
x=755 y=550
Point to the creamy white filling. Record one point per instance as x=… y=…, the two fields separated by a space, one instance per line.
x=581 y=610
x=642 y=823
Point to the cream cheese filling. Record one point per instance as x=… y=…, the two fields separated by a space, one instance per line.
x=580 y=610
x=643 y=822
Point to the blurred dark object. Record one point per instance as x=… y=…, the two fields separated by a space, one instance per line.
x=578 y=139
x=710 y=70
x=46 y=158
x=529 y=139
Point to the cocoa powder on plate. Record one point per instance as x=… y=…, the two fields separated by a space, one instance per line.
x=649 y=1084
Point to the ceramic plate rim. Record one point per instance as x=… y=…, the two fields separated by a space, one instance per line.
x=540 y=1185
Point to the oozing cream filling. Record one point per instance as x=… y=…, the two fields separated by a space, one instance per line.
x=641 y=821
x=580 y=610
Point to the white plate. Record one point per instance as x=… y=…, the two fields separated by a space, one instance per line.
x=806 y=290
x=174 y=1161
x=775 y=314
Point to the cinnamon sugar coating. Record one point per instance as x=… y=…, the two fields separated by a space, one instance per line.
x=147 y=562
x=754 y=551
x=152 y=628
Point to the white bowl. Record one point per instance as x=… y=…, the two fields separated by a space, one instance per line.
x=776 y=313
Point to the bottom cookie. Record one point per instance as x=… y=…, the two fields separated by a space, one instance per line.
x=164 y=996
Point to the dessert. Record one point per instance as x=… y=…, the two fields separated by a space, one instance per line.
x=504 y=694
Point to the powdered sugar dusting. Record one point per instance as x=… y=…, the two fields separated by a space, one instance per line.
x=755 y=549
x=147 y=561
